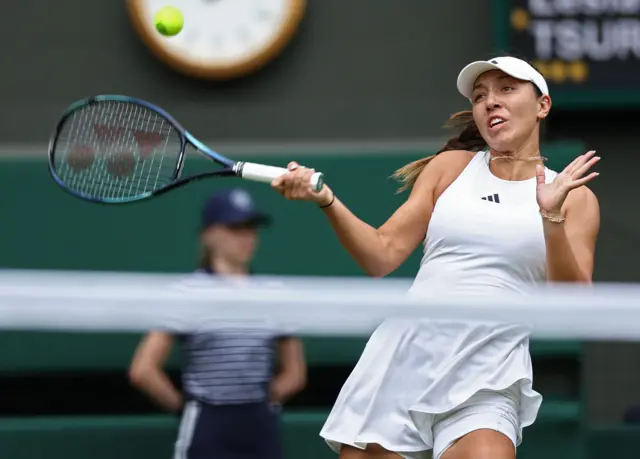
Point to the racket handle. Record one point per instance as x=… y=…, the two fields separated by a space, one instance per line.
x=262 y=173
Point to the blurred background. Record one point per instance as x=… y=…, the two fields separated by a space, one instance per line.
x=361 y=88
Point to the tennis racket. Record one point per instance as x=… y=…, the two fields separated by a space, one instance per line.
x=118 y=149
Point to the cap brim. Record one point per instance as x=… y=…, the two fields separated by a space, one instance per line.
x=251 y=218
x=256 y=218
x=468 y=75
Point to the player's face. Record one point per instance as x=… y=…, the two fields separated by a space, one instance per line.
x=507 y=110
x=235 y=243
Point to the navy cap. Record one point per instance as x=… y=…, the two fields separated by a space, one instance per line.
x=232 y=207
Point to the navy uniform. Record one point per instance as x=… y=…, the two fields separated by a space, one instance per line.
x=226 y=374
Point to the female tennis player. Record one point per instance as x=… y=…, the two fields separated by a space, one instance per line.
x=231 y=394
x=492 y=219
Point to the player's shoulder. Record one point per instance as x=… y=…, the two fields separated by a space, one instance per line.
x=445 y=167
x=453 y=158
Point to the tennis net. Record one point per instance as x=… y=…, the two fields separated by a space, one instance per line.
x=49 y=300
x=68 y=337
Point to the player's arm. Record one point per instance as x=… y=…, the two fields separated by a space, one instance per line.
x=571 y=245
x=380 y=251
x=146 y=371
x=292 y=369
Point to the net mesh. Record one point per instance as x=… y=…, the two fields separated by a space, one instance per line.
x=116 y=150
x=309 y=305
x=68 y=338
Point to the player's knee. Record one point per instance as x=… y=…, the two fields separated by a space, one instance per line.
x=372 y=451
x=481 y=444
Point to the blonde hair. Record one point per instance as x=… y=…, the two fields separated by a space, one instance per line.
x=468 y=139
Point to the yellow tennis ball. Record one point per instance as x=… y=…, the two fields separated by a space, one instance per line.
x=169 y=21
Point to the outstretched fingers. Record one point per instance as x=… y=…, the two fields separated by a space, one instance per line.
x=580 y=171
x=582 y=181
x=578 y=162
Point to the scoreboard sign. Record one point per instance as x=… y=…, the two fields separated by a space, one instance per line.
x=588 y=50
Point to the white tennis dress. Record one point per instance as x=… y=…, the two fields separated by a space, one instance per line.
x=485 y=235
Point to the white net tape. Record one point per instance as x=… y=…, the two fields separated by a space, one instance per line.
x=46 y=300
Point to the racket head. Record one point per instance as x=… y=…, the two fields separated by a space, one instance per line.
x=116 y=149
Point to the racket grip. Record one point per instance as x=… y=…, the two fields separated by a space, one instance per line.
x=262 y=173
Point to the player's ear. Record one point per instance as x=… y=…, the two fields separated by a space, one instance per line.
x=544 y=106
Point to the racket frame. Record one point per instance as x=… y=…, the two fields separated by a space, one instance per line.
x=231 y=168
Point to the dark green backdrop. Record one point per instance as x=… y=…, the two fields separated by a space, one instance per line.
x=48 y=229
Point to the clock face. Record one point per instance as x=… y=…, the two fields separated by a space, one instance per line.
x=220 y=37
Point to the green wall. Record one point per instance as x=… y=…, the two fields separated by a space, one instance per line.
x=44 y=227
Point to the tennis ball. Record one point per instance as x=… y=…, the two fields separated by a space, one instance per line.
x=169 y=21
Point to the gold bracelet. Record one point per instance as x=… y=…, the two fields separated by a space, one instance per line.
x=551 y=218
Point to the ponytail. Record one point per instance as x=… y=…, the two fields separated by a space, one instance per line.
x=468 y=139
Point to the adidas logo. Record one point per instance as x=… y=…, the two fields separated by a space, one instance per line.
x=493 y=198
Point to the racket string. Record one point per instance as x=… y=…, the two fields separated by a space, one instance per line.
x=116 y=150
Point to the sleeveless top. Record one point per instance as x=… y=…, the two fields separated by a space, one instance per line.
x=485 y=236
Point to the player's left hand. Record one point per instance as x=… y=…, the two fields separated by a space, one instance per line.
x=551 y=196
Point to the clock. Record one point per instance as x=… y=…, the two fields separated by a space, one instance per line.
x=221 y=39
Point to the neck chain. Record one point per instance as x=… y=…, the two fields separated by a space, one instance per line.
x=515 y=158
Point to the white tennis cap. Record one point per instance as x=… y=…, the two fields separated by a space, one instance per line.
x=512 y=66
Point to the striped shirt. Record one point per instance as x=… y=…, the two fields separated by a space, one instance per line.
x=229 y=366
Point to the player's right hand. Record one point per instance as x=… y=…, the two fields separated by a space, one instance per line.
x=296 y=185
